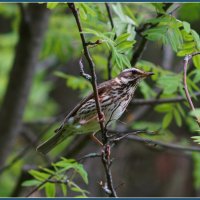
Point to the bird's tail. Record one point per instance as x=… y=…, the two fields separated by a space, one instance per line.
x=52 y=142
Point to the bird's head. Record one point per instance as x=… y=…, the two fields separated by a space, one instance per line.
x=133 y=75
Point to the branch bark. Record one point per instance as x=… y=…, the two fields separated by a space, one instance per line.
x=34 y=20
x=105 y=152
x=177 y=99
x=186 y=60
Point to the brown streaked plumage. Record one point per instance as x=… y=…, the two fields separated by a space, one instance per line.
x=114 y=97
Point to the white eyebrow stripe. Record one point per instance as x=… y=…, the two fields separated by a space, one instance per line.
x=131 y=69
x=124 y=80
x=117 y=80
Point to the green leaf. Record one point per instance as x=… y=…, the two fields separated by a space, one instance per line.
x=195 y=113
x=164 y=108
x=177 y=117
x=38 y=175
x=186 y=26
x=169 y=83
x=119 y=12
x=124 y=46
x=47 y=170
x=52 y=5
x=30 y=183
x=64 y=189
x=181 y=110
x=123 y=37
x=60 y=74
x=146 y=90
x=50 y=189
x=196 y=167
x=167 y=120
x=82 y=13
x=156 y=33
x=196 y=38
x=196 y=139
x=159 y=7
x=196 y=61
x=82 y=173
x=88 y=10
x=78 y=189
x=146 y=125
x=163 y=19
x=125 y=61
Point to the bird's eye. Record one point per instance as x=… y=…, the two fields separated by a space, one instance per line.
x=133 y=71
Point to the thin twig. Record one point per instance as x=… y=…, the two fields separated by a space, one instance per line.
x=186 y=60
x=40 y=185
x=161 y=101
x=90 y=155
x=131 y=133
x=94 y=43
x=164 y=145
x=105 y=159
x=86 y=76
x=139 y=51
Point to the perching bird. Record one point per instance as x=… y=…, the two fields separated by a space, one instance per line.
x=114 y=97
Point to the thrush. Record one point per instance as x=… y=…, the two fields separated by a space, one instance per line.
x=114 y=97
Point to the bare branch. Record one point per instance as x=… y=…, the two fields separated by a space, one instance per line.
x=169 y=146
x=90 y=155
x=186 y=60
x=94 y=43
x=40 y=185
x=105 y=157
x=161 y=101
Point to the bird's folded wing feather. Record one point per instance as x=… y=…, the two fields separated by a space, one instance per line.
x=101 y=88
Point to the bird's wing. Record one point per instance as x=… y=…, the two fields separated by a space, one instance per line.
x=101 y=88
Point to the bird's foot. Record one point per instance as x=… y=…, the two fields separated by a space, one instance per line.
x=102 y=117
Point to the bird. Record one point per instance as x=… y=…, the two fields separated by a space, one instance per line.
x=114 y=96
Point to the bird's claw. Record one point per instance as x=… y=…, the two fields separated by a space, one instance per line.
x=102 y=117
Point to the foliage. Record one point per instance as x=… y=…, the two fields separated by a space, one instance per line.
x=48 y=179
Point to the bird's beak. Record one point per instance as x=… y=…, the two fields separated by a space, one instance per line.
x=146 y=74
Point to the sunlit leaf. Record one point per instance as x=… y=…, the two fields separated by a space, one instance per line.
x=167 y=120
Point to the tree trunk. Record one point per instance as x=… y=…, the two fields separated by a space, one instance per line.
x=34 y=20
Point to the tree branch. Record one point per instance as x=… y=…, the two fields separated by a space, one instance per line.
x=161 y=101
x=163 y=145
x=105 y=157
x=27 y=50
x=91 y=65
x=186 y=60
